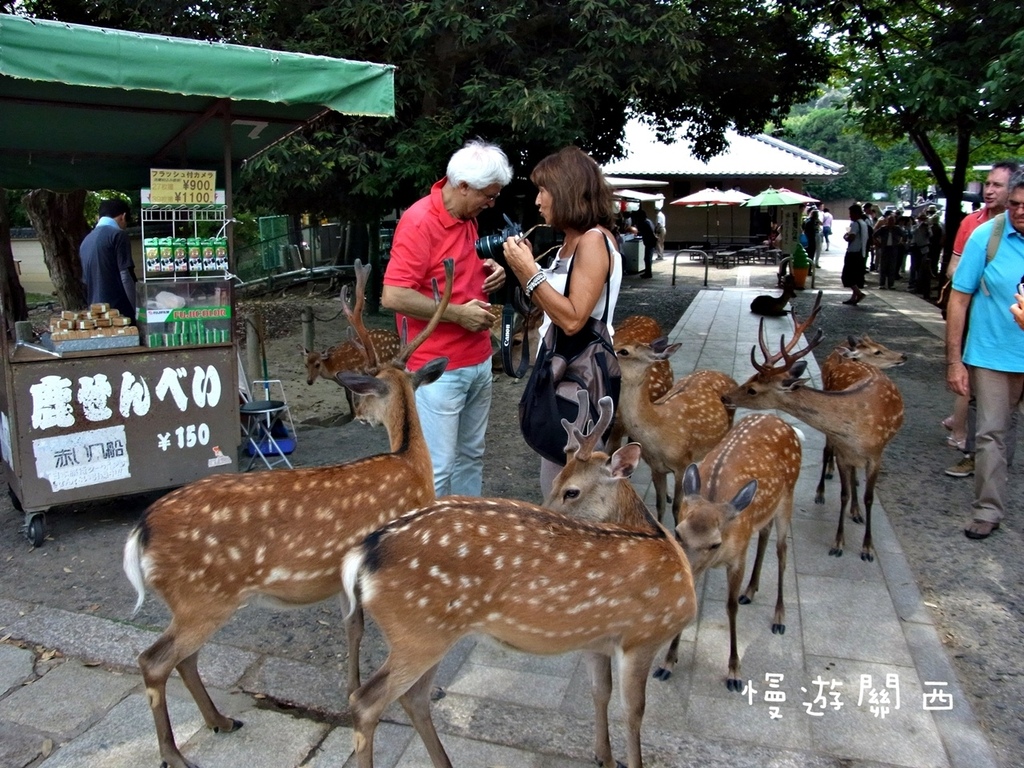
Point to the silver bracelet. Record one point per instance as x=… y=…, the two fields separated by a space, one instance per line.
x=531 y=284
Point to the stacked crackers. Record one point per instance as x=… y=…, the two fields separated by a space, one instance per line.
x=98 y=321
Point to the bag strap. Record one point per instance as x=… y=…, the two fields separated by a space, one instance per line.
x=517 y=305
x=607 y=279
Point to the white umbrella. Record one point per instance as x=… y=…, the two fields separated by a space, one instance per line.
x=708 y=197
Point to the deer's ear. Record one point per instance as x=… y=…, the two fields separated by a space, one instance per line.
x=742 y=499
x=625 y=460
x=691 y=481
x=430 y=372
x=360 y=383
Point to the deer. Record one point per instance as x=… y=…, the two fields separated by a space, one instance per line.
x=641 y=329
x=212 y=545
x=775 y=306
x=678 y=428
x=745 y=485
x=353 y=353
x=531 y=578
x=842 y=369
x=858 y=421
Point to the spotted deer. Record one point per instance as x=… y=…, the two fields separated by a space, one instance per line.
x=842 y=369
x=531 y=578
x=362 y=346
x=210 y=546
x=744 y=486
x=640 y=329
x=858 y=421
x=678 y=428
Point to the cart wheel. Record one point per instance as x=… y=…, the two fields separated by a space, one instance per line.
x=36 y=531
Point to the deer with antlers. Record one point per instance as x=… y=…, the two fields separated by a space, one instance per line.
x=531 y=578
x=843 y=368
x=361 y=344
x=858 y=421
x=678 y=428
x=210 y=546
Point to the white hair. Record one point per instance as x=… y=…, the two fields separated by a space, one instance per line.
x=479 y=164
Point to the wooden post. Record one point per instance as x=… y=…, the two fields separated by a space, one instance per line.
x=308 y=329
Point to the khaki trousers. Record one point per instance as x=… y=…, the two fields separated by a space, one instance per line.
x=997 y=395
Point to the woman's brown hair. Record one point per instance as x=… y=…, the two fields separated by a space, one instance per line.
x=580 y=196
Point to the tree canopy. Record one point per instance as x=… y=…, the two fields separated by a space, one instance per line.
x=531 y=75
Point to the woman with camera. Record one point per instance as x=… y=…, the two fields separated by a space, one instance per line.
x=584 y=278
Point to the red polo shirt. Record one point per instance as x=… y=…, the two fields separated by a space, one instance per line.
x=968 y=224
x=426 y=235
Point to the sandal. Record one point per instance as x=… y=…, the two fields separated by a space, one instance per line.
x=980 y=529
x=948 y=423
x=960 y=445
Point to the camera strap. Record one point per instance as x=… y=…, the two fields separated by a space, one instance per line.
x=518 y=305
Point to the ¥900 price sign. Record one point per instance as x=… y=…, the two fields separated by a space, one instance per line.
x=181 y=186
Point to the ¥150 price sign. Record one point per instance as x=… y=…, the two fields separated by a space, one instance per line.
x=181 y=186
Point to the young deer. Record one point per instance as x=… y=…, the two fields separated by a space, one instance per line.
x=858 y=421
x=775 y=306
x=640 y=329
x=680 y=427
x=210 y=546
x=743 y=486
x=531 y=578
x=843 y=368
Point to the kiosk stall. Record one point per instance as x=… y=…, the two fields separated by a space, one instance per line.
x=97 y=108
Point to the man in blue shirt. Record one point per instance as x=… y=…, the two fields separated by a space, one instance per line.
x=106 y=255
x=992 y=360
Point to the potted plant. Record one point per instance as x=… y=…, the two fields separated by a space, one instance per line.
x=799 y=266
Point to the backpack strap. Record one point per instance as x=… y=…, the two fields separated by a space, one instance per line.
x=992 y=247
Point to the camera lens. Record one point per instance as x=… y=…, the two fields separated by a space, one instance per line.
x=490 y=247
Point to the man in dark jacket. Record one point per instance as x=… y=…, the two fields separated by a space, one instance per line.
x=106 y=254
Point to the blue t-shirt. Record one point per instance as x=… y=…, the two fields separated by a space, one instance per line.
x=994 y=340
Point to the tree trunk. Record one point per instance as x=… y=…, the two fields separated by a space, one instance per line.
x=59 y=220
x=12 y=295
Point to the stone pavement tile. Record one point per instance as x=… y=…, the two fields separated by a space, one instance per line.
x=66 y=699
x=468 y=752
x=21 y=746
x=906 y=597
x=16 y=666
x=811 y=558
x=117 y=644
x=736 y=718
x=299 y=684
x=907 y=736
x=268 y=740
x=964 y=741
x=125 y=736
x=852 y=620
x=516 y=686
x=390 y=741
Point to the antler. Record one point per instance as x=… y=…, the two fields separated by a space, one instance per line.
x=407 y=349
x=799 y=328
x=581 y=443
x=355 y=314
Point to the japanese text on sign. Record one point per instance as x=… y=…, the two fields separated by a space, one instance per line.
x=180 y=186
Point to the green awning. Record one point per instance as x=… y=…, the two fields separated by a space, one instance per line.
x=89 y=107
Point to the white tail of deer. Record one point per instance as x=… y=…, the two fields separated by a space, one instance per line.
x=743 y=486
x=513 y=571
x=208 y=547
x=843 y=368
x=680 y=427
x=858 y=421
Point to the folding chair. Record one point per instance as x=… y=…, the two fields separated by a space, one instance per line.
x=268 y=432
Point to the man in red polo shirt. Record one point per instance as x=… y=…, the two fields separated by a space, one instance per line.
x=453 y=410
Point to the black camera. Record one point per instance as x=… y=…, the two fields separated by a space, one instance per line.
x=490 y=246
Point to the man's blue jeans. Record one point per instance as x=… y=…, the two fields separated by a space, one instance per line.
x=453 y=413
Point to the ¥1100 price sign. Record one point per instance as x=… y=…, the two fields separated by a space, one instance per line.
x=181 y=186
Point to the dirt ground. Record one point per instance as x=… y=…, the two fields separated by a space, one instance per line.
x=973 y=589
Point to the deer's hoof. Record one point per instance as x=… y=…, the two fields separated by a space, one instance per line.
x=437 y=693
x=857 y=518
x=661 y=673
x=819 y=498
x=828 y=475
x=836 y=551
x=235 y=725
x=867 y=556
x=778 y=629
x=744 y=600
x=734 y=684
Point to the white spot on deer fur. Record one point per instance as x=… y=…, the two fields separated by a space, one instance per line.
x=414 y=564
x=279 y=574
x=422 y=602
x=445 y=540
x=463 y=550
x=440 y=575
x=499 y=562
x=234 y=554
